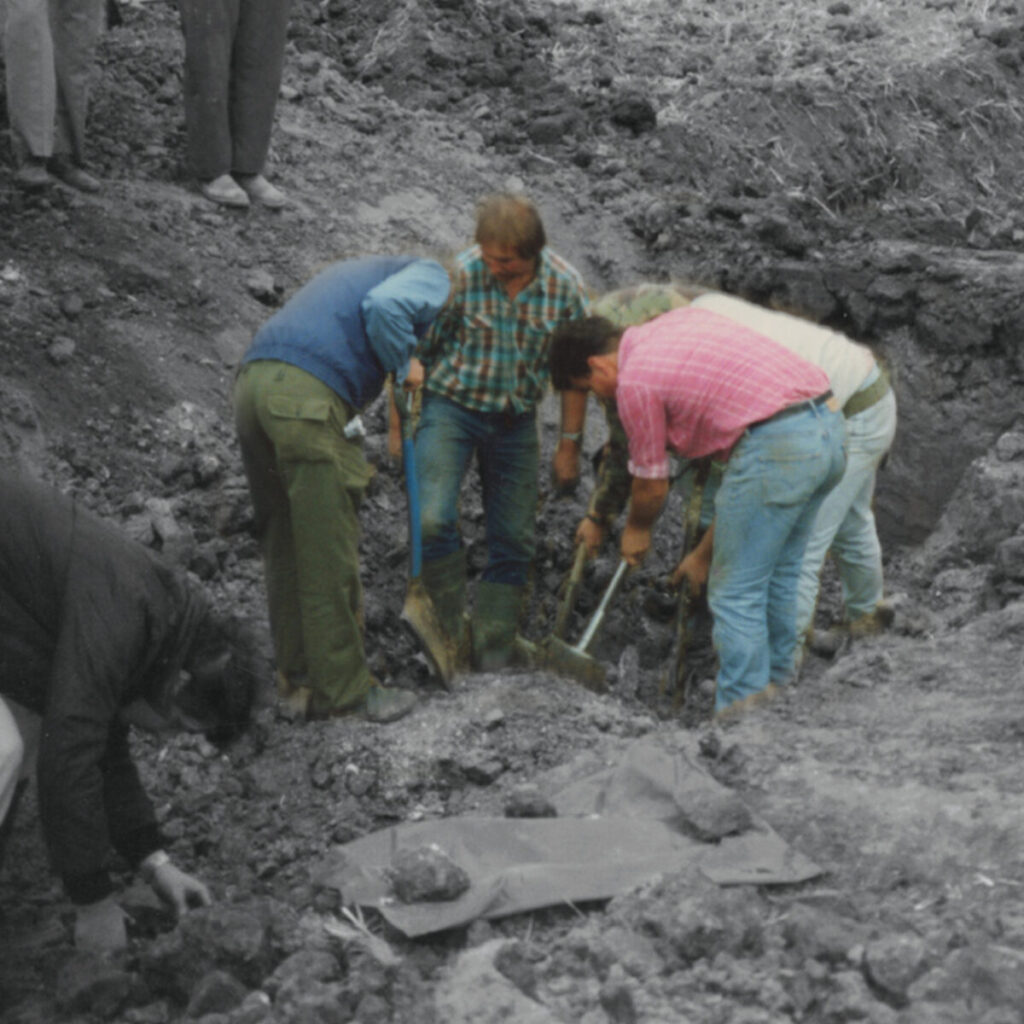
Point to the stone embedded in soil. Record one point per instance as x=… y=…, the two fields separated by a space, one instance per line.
x=634 y=112
x=216 y=992
x=89 y=983
x=60 y=351
x=512 y=961
x=710 y=811
x=819 y=935
x=851 y=999
x=301 y=969
x=71 y=305
x=893 y=962
x=261 y=286
x=529 y=802
x=426 y=873
x=616 y=997
x=233 y=938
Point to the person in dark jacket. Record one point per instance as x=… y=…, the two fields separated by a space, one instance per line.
x=321 y=359
x=97 y=632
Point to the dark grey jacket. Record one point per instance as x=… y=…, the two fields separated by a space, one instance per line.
x=89 y=620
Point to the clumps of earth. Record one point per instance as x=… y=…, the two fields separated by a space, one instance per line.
x=859 y=162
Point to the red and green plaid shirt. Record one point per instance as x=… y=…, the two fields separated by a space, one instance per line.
x=489 y=352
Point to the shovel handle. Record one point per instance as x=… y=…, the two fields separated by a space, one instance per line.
x=412 y=486
x=609 y=593
x=571 y=586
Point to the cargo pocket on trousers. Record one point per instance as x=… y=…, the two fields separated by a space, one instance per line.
x=299 y=428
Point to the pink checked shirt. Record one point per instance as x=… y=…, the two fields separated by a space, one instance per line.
x=693 y=381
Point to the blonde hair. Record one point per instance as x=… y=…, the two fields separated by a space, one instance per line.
x=512 y=220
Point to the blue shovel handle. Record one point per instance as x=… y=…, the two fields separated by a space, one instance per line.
x=412 y=488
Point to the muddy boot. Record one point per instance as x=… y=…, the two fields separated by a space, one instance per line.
x=388 y=703
x=828 y=643
x=495 y=618
x=445 y=582
x=869 y=624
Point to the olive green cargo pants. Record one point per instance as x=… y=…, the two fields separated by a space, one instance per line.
x=307 y=481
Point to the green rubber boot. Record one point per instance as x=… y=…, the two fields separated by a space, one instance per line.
x=445 y=581
x=495 y=620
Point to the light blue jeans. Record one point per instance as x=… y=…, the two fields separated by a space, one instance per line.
x=846 y=521
x=508 y=455
x=774 y=483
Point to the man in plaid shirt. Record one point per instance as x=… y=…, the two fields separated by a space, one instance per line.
x=486 y=363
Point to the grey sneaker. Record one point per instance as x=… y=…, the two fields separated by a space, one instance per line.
x=70 y=173
x=32 y=175
x=224 y=191
x=259 y=189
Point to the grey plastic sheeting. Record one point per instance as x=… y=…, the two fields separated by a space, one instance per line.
x=521 y=864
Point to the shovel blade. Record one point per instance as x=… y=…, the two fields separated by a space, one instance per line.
x=419 y=614
x=558 y=657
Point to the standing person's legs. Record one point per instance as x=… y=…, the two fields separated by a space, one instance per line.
x=845 y=523
x=272 y=520
x=323 y=476
x=209 y=27
x=256 y=66
x=31 y=81
x=509 y=464
x=856 y=547
x=446 y=438
x=782 y=589
x=774 y=471
x=76 y=26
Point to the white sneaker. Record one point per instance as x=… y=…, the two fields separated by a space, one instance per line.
x=225 y=191
x=262 y=191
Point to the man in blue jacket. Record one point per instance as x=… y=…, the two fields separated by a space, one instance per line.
x=310 y=370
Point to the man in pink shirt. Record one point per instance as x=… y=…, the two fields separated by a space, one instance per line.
x=703 y=385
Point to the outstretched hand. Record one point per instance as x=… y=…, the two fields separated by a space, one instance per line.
x=693 y=570
x=565 y=468
x=179 y=889
x=590 y=535
x=636 y=542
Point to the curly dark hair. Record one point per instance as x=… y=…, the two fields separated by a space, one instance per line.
x=574 y=342
x=226 y=669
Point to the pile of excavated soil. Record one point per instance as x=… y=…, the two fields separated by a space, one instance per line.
x=857 y=161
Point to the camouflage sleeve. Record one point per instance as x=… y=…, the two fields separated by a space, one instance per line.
x=611 y=491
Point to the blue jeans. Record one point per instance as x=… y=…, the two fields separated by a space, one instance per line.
x=846 y=521
x=773 y=485
x=508 y=457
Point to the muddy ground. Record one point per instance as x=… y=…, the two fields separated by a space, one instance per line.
x=860 y=161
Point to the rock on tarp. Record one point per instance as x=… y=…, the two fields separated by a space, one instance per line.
x=647 y=815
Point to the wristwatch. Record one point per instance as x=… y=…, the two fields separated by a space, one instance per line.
x=570 y=435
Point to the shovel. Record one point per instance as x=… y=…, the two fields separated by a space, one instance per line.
x=559 y=657
x=572 y=586
x=677 y=677
x=419 y=612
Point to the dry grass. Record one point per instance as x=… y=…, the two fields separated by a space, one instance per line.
x=839 y=109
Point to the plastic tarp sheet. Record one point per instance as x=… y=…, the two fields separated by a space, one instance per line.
x=618 y=827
